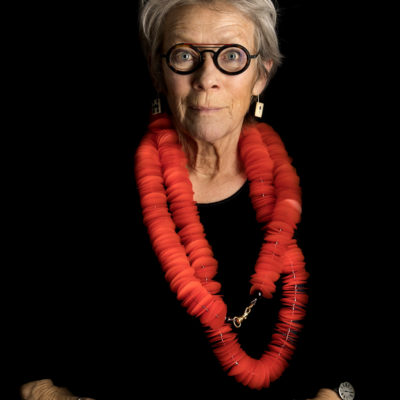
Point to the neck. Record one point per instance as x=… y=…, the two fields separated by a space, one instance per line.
x=215 y=169
x=214 y=159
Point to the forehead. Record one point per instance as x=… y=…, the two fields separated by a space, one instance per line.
x=205 y=24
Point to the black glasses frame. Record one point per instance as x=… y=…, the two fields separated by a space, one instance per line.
x=197 y=48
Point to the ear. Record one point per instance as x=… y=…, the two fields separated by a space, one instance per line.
x=262 y=79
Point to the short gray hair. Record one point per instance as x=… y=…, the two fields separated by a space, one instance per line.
x=152 y=13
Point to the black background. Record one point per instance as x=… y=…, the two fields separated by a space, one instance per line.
x=78 y=104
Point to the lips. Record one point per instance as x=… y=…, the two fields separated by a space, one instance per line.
x=205 y=108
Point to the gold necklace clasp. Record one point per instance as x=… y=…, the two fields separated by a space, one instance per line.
x=237 y=321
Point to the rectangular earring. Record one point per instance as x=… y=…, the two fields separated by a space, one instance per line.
x=259 y=108
x=156 y=106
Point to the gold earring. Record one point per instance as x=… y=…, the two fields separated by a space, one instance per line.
x=259 y=108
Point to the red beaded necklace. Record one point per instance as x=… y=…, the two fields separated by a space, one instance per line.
x=178 y=239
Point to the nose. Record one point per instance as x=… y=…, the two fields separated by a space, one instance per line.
x=207 y=76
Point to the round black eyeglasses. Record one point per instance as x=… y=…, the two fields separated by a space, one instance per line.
x=231 y=59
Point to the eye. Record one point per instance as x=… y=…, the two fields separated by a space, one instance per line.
x=232 y=59
x=232 y=55
x=183 y=56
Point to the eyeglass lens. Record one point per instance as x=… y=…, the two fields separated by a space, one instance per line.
x=230 y=59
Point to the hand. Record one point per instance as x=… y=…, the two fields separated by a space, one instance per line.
x=45 y=390
x=326 y=394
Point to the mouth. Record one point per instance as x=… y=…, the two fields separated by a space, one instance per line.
x=204 y=109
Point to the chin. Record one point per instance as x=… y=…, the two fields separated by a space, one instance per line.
x=210 y=131
x=208 y=128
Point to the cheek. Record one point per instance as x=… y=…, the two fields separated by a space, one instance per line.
x=241 y=96
x=177 y=87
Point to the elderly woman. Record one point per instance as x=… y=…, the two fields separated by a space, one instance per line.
x=221 y=203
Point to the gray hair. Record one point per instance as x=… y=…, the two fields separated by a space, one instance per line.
x=152 y=13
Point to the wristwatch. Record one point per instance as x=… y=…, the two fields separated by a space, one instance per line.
x=345 y=391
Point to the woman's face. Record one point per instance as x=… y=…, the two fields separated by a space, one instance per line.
x=208 y=104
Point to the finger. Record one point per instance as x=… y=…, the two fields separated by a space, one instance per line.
x=26 y=390
x=45 y=390
x=29 y=391
x=83 y=398
x=326 y=394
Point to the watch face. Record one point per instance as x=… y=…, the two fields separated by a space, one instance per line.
x=346 y=391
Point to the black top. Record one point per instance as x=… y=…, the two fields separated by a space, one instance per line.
x=187 y=362
x=98 y=317
x=178 y=357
